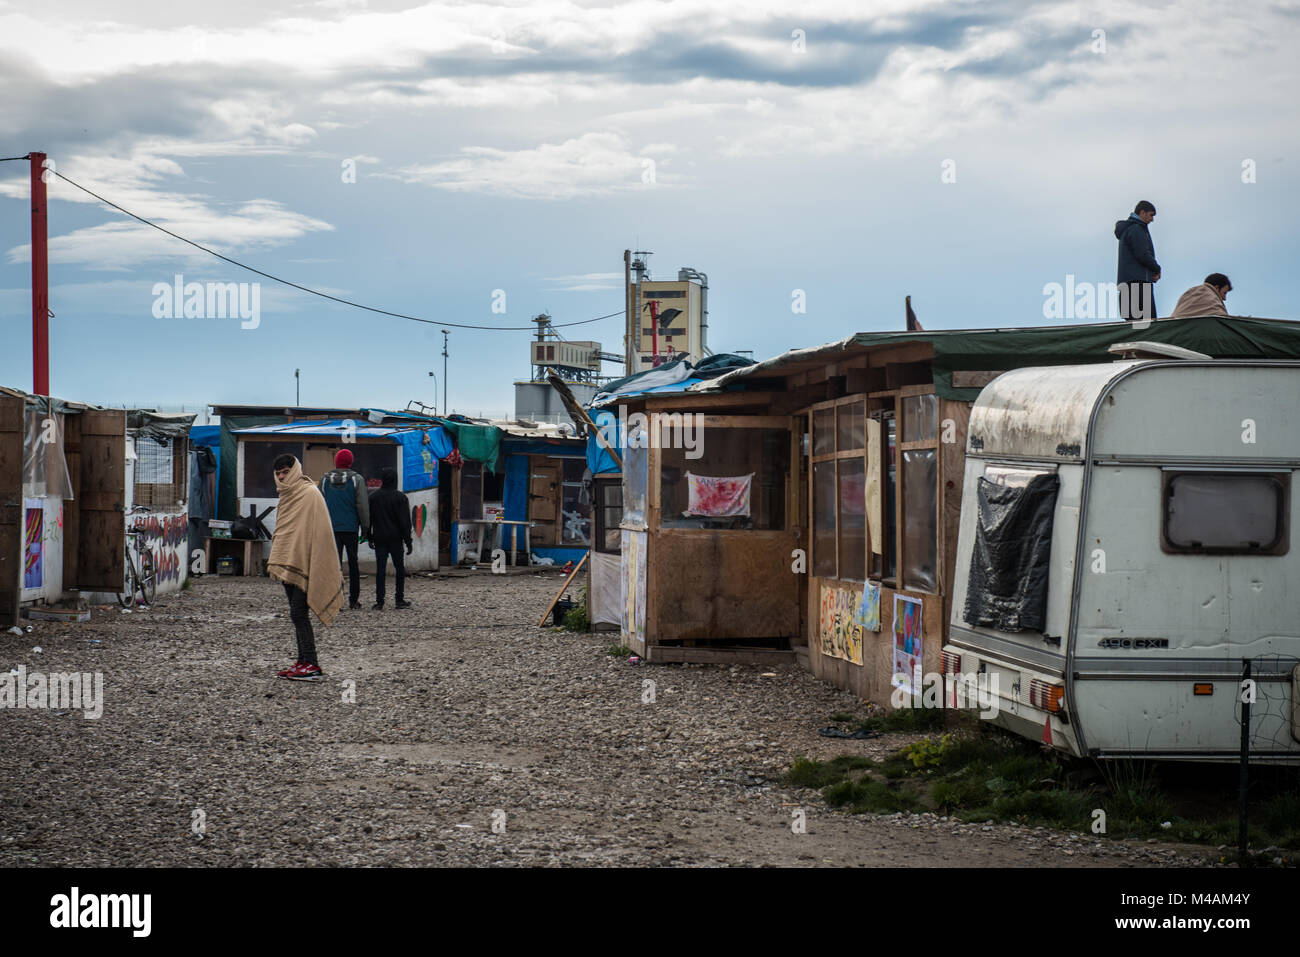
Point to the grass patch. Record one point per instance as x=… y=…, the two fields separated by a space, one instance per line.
x=988 y=774
x=904 y=720
x=619 y=651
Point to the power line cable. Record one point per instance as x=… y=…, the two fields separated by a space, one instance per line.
x=307 y=289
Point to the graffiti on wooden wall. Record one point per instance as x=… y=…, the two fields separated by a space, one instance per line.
x=841 y=629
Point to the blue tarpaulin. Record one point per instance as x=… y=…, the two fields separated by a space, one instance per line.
x=515 y=498
x=598 y=458
x=421 y=450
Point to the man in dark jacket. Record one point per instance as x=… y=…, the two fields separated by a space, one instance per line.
x=345 y=495
x=1138 y=269
x=390 y=528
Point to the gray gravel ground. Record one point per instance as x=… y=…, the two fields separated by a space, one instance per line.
x=465 y=714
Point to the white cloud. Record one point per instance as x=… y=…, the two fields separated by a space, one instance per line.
x=594 y=164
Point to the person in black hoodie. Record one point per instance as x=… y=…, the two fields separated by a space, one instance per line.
x=390 y=528
x=1138 y=270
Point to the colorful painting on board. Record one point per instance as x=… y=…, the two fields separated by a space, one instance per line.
x=869 y=609
x=907 y=643
x=841 y=634
x=33 y=543
x=166 y=537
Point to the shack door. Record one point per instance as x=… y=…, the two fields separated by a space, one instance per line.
x=101 y=501
x=11 y=507
x=543 y=493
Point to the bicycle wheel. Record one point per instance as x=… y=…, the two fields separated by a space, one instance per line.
x=148 y=576
x=127 y=599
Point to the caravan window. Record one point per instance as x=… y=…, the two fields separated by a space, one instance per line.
x=1226 y=513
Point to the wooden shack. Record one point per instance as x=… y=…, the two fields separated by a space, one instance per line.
x=854 y=453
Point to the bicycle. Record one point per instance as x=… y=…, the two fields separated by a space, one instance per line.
x=141 y=577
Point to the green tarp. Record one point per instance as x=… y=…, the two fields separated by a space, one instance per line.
x=1003 y=349
x=476 y=443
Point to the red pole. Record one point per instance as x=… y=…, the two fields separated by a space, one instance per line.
x=40 y=281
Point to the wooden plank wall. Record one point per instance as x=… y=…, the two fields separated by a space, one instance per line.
x=72 y=509
x=723 y=584
x=12 y=418
x=102 y=501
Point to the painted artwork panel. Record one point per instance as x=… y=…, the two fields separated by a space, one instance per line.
x=907 y=643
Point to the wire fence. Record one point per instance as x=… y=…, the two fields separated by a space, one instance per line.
x=1266 y=714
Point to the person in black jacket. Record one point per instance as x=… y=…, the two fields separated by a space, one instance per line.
x=1138 y=270
x=390 y=528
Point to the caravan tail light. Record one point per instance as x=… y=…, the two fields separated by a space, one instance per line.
x=1045 y=696
x=950 y=662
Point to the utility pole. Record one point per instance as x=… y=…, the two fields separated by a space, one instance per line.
x=297 y=388
x=446 y=410
x=40 y=280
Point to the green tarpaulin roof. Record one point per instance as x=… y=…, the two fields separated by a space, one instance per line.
x=1001 y=349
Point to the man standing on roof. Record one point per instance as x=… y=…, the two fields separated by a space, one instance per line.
x=1207 y=299
x=1138 y=270
x=390 y=526
x=349 y=504
x=304 y=560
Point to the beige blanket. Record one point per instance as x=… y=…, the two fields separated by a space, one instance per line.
x=1200 y=300
x=302 y=550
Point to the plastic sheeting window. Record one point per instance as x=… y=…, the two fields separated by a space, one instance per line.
x=45 y=469
x=636 y=464
x=920 y=519
x=1009 y=564
x=723 y=498
x=609 y=512
x=824 y=519
x=1226 y=513
x=853 y=519
x=920 y=418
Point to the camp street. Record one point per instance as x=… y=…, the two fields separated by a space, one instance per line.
x=452 y=733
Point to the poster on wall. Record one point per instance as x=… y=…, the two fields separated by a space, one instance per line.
x=869 y=609
x=33 y=543
x=907 y=643
x=841 y=634
x=632 y=584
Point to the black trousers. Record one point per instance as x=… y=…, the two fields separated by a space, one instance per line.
x=1137 y=300
x=301 y=618
x=348 y=540
x=382 y=551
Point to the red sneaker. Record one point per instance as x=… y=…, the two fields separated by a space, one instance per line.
x=286 y=672
x=305 y=672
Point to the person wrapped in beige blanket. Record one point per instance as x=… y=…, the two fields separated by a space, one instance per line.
x=304 y=559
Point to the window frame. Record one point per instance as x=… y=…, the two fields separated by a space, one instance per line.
x=1282 y=544
x=834 y=457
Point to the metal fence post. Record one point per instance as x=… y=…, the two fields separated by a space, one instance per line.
x=1245 y=757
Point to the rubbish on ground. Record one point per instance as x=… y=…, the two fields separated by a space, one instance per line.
x=634 y=660
x=15 y=630
x=837 y=733
x=769 y=674
x=37 y=649
x=58 y=614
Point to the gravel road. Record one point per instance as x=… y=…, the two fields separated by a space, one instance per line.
x=452 y=733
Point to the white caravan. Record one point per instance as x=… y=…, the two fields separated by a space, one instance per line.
x=1125 y=542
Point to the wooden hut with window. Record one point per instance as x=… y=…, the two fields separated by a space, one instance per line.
x=841 y=468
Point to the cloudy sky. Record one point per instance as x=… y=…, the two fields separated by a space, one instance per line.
x=419 y=157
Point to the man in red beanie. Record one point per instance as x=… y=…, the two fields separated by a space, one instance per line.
x=349 y=504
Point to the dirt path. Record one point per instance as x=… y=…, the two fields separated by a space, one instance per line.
x=461 y=709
